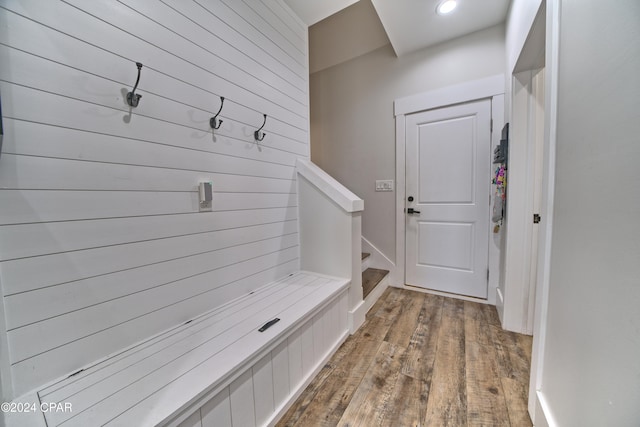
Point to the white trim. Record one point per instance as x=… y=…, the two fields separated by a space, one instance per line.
x=377 y=259
x=543 y=412
x=357 y=316
x=500 y=305
x=544 y=257
x=449 y=95
x=337 y=192
x=399 y=278
x=497 y=115
x=490 y=87
x=519 y=207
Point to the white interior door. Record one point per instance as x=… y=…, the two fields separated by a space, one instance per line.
x=447 y=185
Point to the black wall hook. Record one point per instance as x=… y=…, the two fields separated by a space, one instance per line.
x=257 y=133
x=132 y=97
x=212 y=122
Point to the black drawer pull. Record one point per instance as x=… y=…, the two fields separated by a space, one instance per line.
x=269 y=324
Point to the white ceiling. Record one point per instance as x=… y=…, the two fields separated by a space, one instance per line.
x=413 y=24
x=312 y=11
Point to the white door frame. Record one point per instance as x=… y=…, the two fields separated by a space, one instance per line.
x=491 y=87
x=538 y=407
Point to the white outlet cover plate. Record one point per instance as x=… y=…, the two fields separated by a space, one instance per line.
x=384 y=185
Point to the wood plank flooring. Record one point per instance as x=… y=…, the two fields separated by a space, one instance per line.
x=422 y=360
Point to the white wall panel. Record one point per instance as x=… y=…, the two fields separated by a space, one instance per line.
x=217 y=411
x=228 y=12
x=295 y=359
x=187 y=152
x=294 y=37
x=103 y=31
x=27 y=240
x=30 y=172
x=263 y=389
x=174 y=14
x=47 y=271
x=242 y=404
x=194 y=420
x=280 y=360
x=19 y=207
x=306 y=341
x=146 y=292
x=101 y=240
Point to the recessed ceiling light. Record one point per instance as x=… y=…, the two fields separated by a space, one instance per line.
x=446 y=7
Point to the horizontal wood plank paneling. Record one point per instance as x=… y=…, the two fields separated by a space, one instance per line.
x=287 y=16
x=295 y=38
x=227 y=11
x=70 y=52
x=101 y=240
x=64 y=143
x=89 y=25
x=180 y=17
x=27 y=240
x=43 y=173
x=28 y=206
x=158 y=37
x=76 y=114
x=27 y=274
x=109 y=291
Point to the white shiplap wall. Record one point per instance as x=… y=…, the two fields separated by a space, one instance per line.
x=101 y=240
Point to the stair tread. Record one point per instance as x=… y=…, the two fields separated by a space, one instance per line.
x=370 y=279
x=365 y=255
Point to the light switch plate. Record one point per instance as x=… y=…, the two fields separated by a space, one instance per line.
x=205 y=196
x=384 y=185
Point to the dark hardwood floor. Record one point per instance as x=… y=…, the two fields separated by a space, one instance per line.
x=422 y=360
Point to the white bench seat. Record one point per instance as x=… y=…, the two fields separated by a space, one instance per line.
x=168 y=378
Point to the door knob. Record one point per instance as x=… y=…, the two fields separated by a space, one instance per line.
x=412 y=211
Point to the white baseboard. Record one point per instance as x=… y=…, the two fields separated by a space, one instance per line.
x=379 y=260
x=356 y=317
x=303 y=385
x=543 y=417
x=500 y=305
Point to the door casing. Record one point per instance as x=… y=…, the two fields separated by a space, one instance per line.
x=488 y=88
x=454 y=142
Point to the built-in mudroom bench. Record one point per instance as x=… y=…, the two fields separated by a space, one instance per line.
x=242 y=363
x=233 y=366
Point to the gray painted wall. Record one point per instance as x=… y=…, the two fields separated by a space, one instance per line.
x=352 y=121
x=592 y=355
